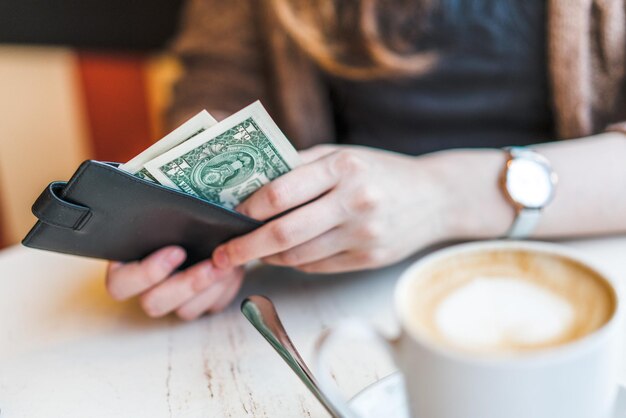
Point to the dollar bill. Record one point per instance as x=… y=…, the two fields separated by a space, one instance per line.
x=194 y=126
x=228 y=161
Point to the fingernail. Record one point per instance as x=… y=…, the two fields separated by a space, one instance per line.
x=173 y=257
x=114 y=265
x=220 y=258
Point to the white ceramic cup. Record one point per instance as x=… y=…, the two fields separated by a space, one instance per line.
x=573 y=380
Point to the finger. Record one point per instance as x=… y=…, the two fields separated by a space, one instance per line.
x=326 y=245
x=290 y=190
x=345 y=261
x=214 y=299
x=227 y=297
x=125 y=280
x=202 y=302
x=114 y=265
x=315 y=153
x=179 y=288
x=282 y=234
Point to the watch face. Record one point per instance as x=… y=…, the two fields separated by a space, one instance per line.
x=529 y=183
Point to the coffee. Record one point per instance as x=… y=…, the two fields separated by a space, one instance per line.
x=500 y=329
x=507 y=301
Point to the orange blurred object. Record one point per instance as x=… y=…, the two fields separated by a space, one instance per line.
x=116 y=104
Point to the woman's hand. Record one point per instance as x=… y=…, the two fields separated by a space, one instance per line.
x=355 y=208
x=190 y=293
x=351 y=208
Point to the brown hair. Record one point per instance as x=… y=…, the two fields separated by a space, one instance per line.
x=358 y=39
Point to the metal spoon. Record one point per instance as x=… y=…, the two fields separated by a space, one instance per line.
x=262 y=314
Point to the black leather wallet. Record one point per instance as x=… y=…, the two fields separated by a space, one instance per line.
x=104 y=212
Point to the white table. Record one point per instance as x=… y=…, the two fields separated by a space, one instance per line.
x=67 y=350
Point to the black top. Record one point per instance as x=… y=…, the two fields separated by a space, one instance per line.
x=489 y=88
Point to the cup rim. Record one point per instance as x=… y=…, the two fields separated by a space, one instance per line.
x=508 y=359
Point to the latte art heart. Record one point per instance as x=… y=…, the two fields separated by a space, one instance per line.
x=507 y=301
x=489 y=313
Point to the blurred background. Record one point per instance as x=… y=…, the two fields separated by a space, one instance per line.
x=79 y=79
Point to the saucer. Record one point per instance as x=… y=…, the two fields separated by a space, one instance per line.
x=386 y=398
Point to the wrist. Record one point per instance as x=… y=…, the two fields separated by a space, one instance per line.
x=475 y=207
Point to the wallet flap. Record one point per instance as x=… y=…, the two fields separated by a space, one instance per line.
x=50 y=208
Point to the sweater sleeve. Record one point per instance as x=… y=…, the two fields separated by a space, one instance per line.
x=222 y=54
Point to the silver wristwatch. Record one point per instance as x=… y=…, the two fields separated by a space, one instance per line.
x=528 y=183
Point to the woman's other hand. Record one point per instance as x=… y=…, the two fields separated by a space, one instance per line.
x=161 y=290
x=356 y=208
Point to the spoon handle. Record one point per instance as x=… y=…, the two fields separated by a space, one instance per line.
x=261 y=313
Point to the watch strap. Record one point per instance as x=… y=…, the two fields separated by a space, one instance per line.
x=524 y=224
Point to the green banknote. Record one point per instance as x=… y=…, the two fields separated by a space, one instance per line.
x=194 y=126
x=229 y=161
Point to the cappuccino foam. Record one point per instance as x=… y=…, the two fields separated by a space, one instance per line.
x=487 y=313
x=502 y=300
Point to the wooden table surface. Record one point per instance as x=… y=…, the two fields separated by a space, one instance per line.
x=67 y=350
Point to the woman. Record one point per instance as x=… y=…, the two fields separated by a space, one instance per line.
x=465 y=78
